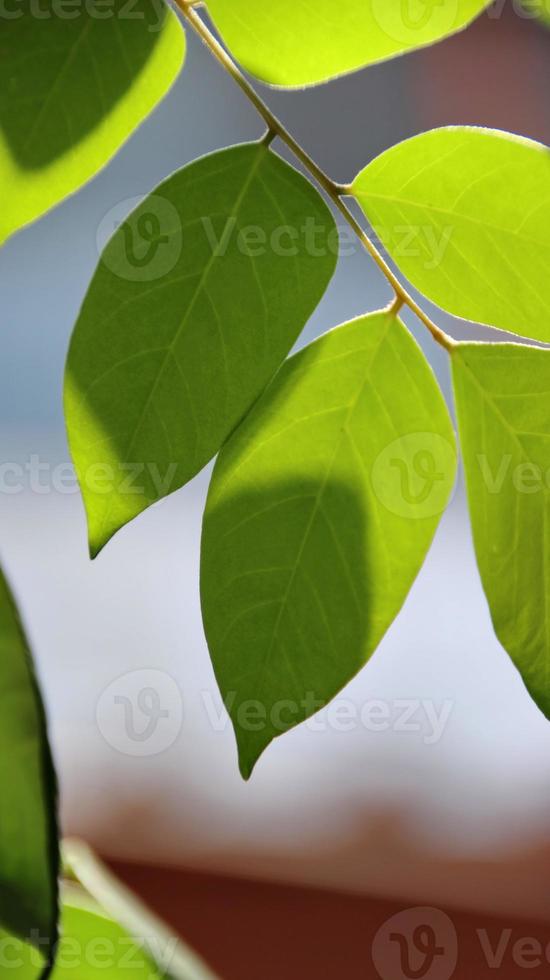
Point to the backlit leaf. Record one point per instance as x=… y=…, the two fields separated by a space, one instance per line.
x=503 y=403
x=92 y=947
x=465 y=213
x=28 y=832
x=320 y=512
x=195 y=303
x=173 y=956
x=296 y=44
x=75 y=81
x=538 y=8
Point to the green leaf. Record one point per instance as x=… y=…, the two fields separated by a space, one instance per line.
x=465 y=213
x=29 y=856
x=538 y=8
x=180 y=332
x=297 y=44
x=92 y=947
x=75 y=81
x=320 y=512
x=503 y=402
x=118 y=901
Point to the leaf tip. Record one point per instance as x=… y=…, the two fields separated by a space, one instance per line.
x=96 y=546
x=249 y=755
x=247 y=765
x=99 y=538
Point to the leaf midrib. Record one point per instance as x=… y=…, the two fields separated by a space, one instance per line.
x=317 y=501
x=52 y=92
x=170 y=347
x=365 y=196
x=545 y=496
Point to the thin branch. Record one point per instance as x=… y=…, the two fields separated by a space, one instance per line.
x=333 y=190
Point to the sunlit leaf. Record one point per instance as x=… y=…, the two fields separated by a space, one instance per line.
x=539 y=9
x=92 y=947
x=320 y=512
x=75 y=81
x=503 y=402
x=295 y=44
x=465 y=213
x=172 y=955
x=28 y=833
x=195 y=303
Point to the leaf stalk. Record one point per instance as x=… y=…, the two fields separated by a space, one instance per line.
x=334 y=191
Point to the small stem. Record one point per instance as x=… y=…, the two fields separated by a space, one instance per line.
x=268 y=137
x=334 y=191
x=395 y=305
x=437 y=333
x=273 y=124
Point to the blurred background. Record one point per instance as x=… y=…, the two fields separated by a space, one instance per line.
x=443 y=797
